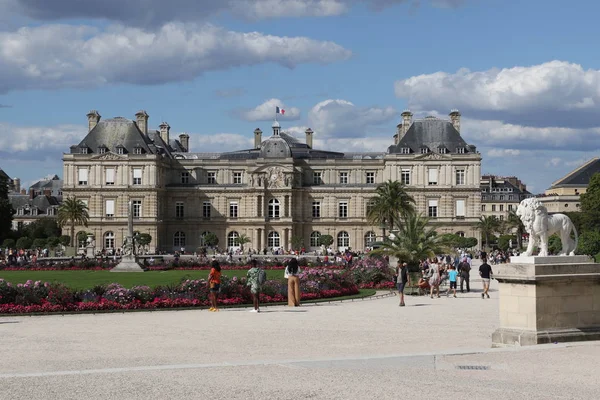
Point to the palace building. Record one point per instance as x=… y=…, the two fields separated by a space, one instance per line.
x=280 y=191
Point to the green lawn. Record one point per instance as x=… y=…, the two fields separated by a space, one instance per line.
x=89 y=279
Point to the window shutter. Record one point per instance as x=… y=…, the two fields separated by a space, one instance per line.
x=433 y=203
x=83 y=174
x=433 y=175
x=137 y=173
x=460 y=208
x=110 y=175
x=110 y=207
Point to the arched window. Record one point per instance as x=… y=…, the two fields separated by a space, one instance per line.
x=273 y=208
x=461 y=234
x=179 y=239
x=273 y=239
x=109 y=240
x=343 y=239
x=232 y=239
x=370 y=238
x=314 y=239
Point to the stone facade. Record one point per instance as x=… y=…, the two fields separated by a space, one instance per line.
x=500 y=195
x=278 y=190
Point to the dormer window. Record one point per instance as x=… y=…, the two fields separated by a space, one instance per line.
x=405 y=150
x=461 y=150
x=442 y=150
x=83 y=150
x=137 y=150
x=102 y=150
x=424 y=150
x=120 y=149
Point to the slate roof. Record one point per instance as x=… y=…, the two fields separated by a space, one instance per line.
x=433 y=133
x=54 y=185
x=120 y=131
x=42 y=203
x=580 y=176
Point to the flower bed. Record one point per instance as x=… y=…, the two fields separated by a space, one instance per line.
x=40 y=297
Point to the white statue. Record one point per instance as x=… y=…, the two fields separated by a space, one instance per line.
x=541 y=226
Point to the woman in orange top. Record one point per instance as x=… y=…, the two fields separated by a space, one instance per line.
x=214 y=283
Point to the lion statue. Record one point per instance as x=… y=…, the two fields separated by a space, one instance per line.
x=540 y=226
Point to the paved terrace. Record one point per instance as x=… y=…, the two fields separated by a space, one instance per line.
x=352 y=350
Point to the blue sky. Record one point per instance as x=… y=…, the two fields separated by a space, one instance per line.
x=523 y=74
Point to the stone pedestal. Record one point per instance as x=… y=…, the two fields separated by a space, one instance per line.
x=127 y=264
x=90 y=251
x=548 y=299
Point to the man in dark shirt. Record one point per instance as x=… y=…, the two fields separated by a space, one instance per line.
x=485 y=272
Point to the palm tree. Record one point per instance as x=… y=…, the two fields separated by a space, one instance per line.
x=514 y=222
x=413 y=241
x=75 y=212
x=391 y=204
x=242 y=240
x=488 y=225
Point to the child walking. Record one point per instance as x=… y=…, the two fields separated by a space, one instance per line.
x=452 y=274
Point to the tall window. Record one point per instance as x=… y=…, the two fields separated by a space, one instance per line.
x=137 y=150
x=179 y=209
x=233 y=209
x=316 y=209
x=370 y=178
x=343 y=178
x=232 y=239
x=432 y=174
x=460 y=208
x=501 y=207
x=432 y=209
x=461 y=150
x=137 y=208
x=343 y=239
x=109 y=240
x=501 y=198
x=110 y=208
x=82 y=174
x=460 y=176
x=405 y=176
x=317 y=178
x=370 y=238
x=314 y=239
x=185 y=177
x=483 y=207
x=370 y=205
x=273 y=208
x=212 y=178
x=273 y=239
x=510 y=207
x=110 y=176
x=137 y=176
x=493 y=207
x=343 y=209
x=206 y=209
x=179 y=239
x=237 y=178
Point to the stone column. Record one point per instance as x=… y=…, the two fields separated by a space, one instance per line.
x=287 y=203
x=548 y=299
x=286 y=239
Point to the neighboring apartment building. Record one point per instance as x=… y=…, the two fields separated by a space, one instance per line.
x=279 y=189
x=42 y=201
x=499 y=195
x=564 y=193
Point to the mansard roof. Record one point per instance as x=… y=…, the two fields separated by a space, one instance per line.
x=119 y=131
x=580 y=176
x=432 y=133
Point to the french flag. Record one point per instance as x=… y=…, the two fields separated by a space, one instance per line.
x=279 y=110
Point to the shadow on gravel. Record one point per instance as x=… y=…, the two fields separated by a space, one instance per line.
x=9 y=322
x=280 y=311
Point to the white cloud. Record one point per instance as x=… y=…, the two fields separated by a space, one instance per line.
x=554 y=161
x=29 y=140
x=219 y=142
x=341 y=118
x=503 y=153
x=59 y=56
x=556 y=93
x=266 y=112
x=153 y=12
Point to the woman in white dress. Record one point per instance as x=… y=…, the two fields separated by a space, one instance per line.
x=434 y=277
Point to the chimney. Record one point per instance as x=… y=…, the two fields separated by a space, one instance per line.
x=31 y=194
x=184 y=139
x=141 y=119
x=406 y=122
x=164 y=132
x=257 y=138
x=309 y=137
x=23 y=191
x=398 y=134
x=17 y=185
x=93 y=119
x=455 y=118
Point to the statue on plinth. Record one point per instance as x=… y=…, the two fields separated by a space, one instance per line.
x=540 y=226
x=128 y=262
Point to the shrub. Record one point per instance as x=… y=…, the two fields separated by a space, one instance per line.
x=372 y=270
x=39 y=243
x=23 y=243
x=65 y=240
x=9 y=243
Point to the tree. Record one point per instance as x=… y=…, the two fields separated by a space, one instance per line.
x=589 y=243
x=504 y=241
x=24 y=243
x=210 y=239
x=297 y=242
x=470 y=242
x=9 y=243
x=6 y=210
x=75 y=212
x=325 y=240
x=39 y=243
x=488 y=225
x=81 y=238
x=42 y=228
x=390 y=205
x=412 y=242
x=64 y=240
x=554 y=244
x=590 y=203
x=515 y=224
x=53 y=242
x=242 y=240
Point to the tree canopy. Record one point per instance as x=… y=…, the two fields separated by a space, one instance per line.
x=74 y=212
x=6 y=210
x=590 y=204
x=390 y=204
